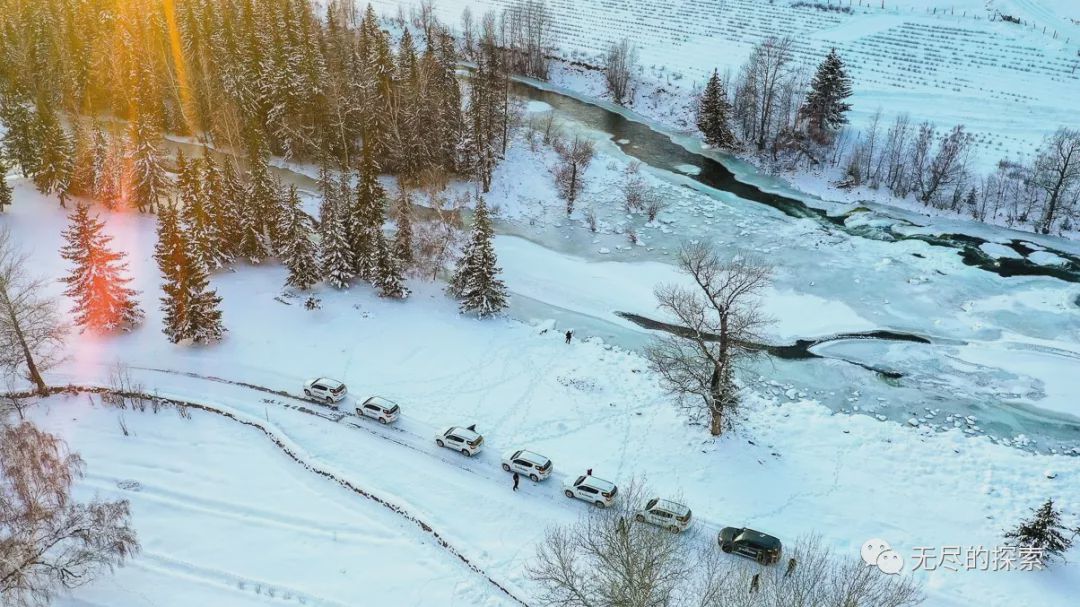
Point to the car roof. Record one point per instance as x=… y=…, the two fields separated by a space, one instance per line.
x=672 y=507
x=382 y=402
x=531 y=456
x=329 y=383
x=759 y=538
x=464 y=433
x=598 y=483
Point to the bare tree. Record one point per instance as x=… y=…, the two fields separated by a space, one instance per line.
x=949 y=163
x=575 y=157
x=720 y=321
x=769 y=65
x=31 y=334
x=1057 y=172
x=619 y=67
x=816 y=579
x=48 y=542
x=610 y=559
x=436 y=240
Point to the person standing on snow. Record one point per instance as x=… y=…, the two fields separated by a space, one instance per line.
x=569 y=334
x=517 y=479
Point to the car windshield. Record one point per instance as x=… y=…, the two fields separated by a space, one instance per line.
x=393 y=409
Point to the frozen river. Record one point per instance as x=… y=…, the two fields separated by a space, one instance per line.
x=993 y=344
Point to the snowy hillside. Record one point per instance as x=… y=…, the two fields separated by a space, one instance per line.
x=1011 y=84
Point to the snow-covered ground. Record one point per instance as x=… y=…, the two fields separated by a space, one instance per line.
x=226 y=518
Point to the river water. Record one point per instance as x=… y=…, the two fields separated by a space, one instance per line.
x=985 y=344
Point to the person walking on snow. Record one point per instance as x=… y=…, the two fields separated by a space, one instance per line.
x=588 y=472
x=517 y=479
x=569 y=334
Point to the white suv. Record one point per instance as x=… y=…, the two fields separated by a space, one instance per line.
x=670 y=515
x=378 y=408
x=465 y=440
x=325 y=389
x=596 y=491
x=526 y=463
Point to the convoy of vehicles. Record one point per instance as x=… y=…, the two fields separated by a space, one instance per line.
x=667 y=514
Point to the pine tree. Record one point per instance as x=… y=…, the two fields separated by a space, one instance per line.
x=171 y=259
x=713 y=114
x=98 y=278
x=220 y=213
x=388 y=279
x=403 y=236
x=204 y=312
x=1044 y=532
x=191 y=307
x=56 y=156
x=150 y=182
x=298 y=249
x=366 y=216
x=476 y=280
x=335 y=254
x=5 y=187
x=825 y=106
x=193 y=212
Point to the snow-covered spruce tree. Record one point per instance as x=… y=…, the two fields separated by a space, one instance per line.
x=99 y=276
x=191 y=307
x=56 y=156
x=171 y=259
x=5 y=188
x=403 y=236
x=388 y=277
x=366 y=217
x=1044 y=532
x=335 y=254
x=476 y=280
x=713 y=113
x=220 y=214
x=826 y=105
x=297 y=247
x=149 y=180
x=195 y=219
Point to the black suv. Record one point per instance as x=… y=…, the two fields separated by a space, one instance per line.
x=756 y=545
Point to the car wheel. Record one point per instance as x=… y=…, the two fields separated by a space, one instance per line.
x=506 y=468
x=535 y=479
x=329 y=400
x=762 y=558
x=307 y=393
x=466 y=453
x=675 y=529
x=639 y=518
x=382 y=420
x=569 y=493
x=598 y=504
x=440 y=443
x=726 y=548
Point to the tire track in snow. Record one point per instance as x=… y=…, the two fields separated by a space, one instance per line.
x=172 y=567
x=292 y=451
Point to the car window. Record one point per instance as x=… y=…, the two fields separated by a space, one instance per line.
x=523 y=463
x=318 y=387
x=454 y=438
x=661 y=514
x=371 y=407
x=652 y=502
x=588 y=489
x=579 y=480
